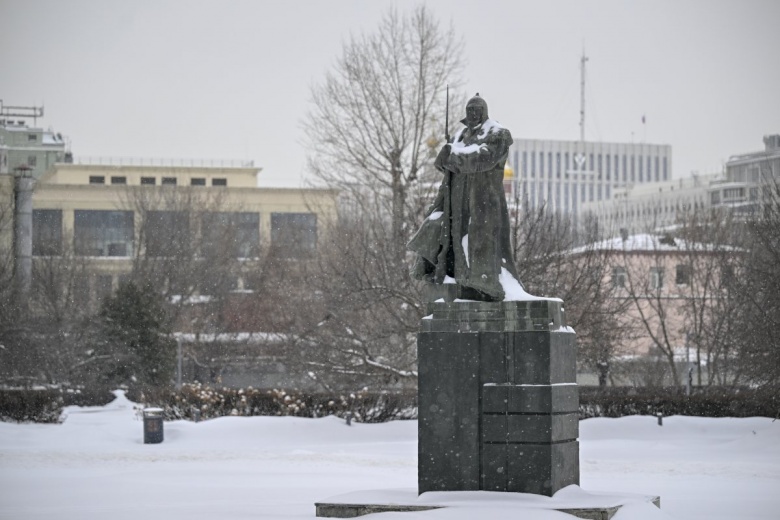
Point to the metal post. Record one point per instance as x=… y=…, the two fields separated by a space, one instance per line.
x=178 y=362
x=689 y=383
x=582 y=94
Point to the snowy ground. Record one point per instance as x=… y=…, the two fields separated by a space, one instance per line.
x=95 y=466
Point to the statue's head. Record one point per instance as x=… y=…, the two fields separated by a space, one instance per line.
x=476 y=111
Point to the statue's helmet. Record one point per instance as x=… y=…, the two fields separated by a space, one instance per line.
x=478 y=103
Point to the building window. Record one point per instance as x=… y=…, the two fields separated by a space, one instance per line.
x=119 y=180
x=590 y=192
x=238 y=233
x=657 y=170
x=47 y=232
x=32 y=160
x=168 y=181
x=641 y=170
x=97 y=179
x=734 y=193
x=715 y=198
x=32 y=137
x=666 y=172
x=609 y=167
x=619 y=277
x=683 y=274
x=616 y=168
x=219 y=182
x=148 y=181
x=558 y=165
x=295 y=234
x=166 y=233
x=656 y=277
x=633 y=169
x=198 y=181
x=541 y=164
x=625 y=170
x=649 y=170
x=103 y=233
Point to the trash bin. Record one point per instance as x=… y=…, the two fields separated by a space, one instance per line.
x=153 y=425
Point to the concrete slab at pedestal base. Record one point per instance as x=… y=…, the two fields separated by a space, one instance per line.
x=578 y=503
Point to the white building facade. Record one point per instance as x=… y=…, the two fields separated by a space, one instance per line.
x=566 y=175
x=642 y=208
x=746 y=175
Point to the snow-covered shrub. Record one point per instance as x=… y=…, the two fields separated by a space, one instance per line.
x=212 y=402
x=619 y=401
x=44 y=404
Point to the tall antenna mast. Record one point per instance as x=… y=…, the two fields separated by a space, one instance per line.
x=582 y=94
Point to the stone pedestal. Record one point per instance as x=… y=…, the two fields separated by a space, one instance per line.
x=498 y=398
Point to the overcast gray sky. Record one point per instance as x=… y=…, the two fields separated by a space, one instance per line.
x=187 y=79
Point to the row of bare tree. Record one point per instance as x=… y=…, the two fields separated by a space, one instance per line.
x=373 y=131
x=347 y=316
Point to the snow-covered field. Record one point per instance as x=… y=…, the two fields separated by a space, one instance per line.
x=95 y=466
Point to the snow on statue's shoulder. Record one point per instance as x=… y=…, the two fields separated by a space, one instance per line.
x=490 y=126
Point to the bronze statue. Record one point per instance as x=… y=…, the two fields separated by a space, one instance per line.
x=465 y=236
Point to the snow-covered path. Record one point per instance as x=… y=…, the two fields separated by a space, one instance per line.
x=95 y=466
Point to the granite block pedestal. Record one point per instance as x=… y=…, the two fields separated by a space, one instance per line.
x=498 y=398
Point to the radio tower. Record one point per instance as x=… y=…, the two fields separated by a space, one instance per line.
x=582 y=95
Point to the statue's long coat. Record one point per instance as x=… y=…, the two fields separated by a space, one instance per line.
x=466 y=231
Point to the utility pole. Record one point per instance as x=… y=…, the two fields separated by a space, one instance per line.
x=583 y=59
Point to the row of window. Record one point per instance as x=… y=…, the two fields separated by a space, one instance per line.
x=152 y=181
x=168 y=233
x=734 y=195
x=89 y=289
x=607 y=164
x=562 y=193
x=682 y=276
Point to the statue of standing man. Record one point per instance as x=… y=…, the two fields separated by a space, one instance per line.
x=465 y=236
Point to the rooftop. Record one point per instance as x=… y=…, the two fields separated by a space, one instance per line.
x=158 y=161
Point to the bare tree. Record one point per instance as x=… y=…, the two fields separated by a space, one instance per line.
x=555 y=258
x=680 y=293
x=709 y=257
x=367 y=311
x=757 y=285
x=6 y=254
x=376 y=122
x=378 y=113
x=188 y=247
